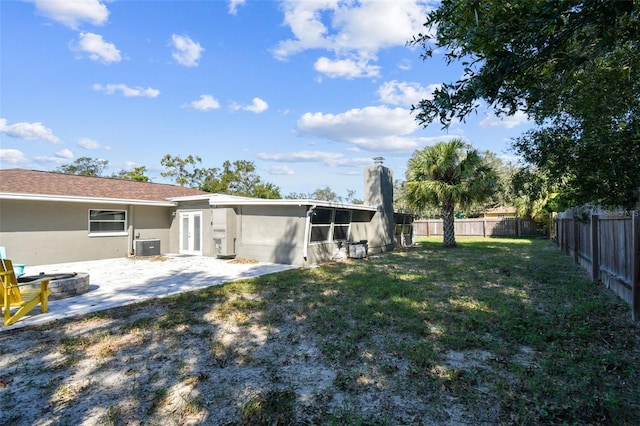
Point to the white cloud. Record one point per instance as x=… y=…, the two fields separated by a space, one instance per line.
x=110 y=89
x=279 y=170
x=186 y=51
x=28 y=131
x=323 y=157
x=233 y=6
x=347 y=68
x=46 y=160
x=12 y=156
x=506 y=121
x=257 y=106
x=405 y=65
x=354 y=30
x=98 y=49
x=369 y=122
x=373 y=129
x=60 y=157
x=87 y=143
x=65 y=153
x=404 y=93
x=205 y=103
x=129 y=165
x=301 y=157
x=72 y=13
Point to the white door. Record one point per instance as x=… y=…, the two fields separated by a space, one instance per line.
x=191 y=233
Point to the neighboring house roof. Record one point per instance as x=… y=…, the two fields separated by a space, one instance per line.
x=36 y=184
x=501 y=210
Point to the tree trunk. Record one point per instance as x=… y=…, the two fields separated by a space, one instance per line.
x=449 y=234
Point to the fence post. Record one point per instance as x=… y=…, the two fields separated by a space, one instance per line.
x=484 y=227
x=595 y=249
x=576 y=240
x=635 y=266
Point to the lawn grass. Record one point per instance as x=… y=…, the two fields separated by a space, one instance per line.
x=507 y=326
x=495 y=331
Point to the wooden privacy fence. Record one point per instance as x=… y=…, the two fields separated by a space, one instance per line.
x=608 y=247
x=482 y=227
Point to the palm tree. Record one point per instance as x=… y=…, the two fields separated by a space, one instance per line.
x=446 y=175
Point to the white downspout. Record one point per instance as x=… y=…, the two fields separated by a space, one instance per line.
x=307 y=227
x=130 y=231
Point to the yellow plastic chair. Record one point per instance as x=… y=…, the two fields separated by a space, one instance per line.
x=24 y=299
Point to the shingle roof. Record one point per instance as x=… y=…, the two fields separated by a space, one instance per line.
x=34 y=182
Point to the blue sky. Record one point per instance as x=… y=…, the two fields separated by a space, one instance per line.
x=309 y=91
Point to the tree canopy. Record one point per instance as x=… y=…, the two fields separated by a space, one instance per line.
x=237 y=178
x=234 y=178
x=84 y=166
x=572 y=66
x=138 y=174
x=182 y=170
x=447 y=175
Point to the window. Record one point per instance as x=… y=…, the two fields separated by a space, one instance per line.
x=107 y=221
x=330 y=225
x=398 y=219
x=321 y=224
x=341 y=224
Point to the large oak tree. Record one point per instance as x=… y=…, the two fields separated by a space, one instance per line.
x=573 y=66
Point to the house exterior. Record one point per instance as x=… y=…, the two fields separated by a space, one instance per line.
x=501 y=211
x=48 y=217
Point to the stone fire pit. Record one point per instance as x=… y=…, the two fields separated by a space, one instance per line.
x=62 y=285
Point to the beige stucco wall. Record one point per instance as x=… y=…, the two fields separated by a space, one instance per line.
x=150 y=222
x=361 y=228
x=44 y=232
x=271 y=233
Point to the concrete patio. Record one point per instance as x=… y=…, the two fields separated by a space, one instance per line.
x=121 y=281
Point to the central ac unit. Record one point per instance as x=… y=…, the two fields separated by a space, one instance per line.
x=149 y=247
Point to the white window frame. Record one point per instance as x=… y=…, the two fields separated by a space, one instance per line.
x=108 y=233
x=346 y=225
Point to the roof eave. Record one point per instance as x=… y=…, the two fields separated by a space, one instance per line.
x=78 y=199
x=217 y=202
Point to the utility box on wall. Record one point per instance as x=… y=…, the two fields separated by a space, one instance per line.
x=224 y=232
